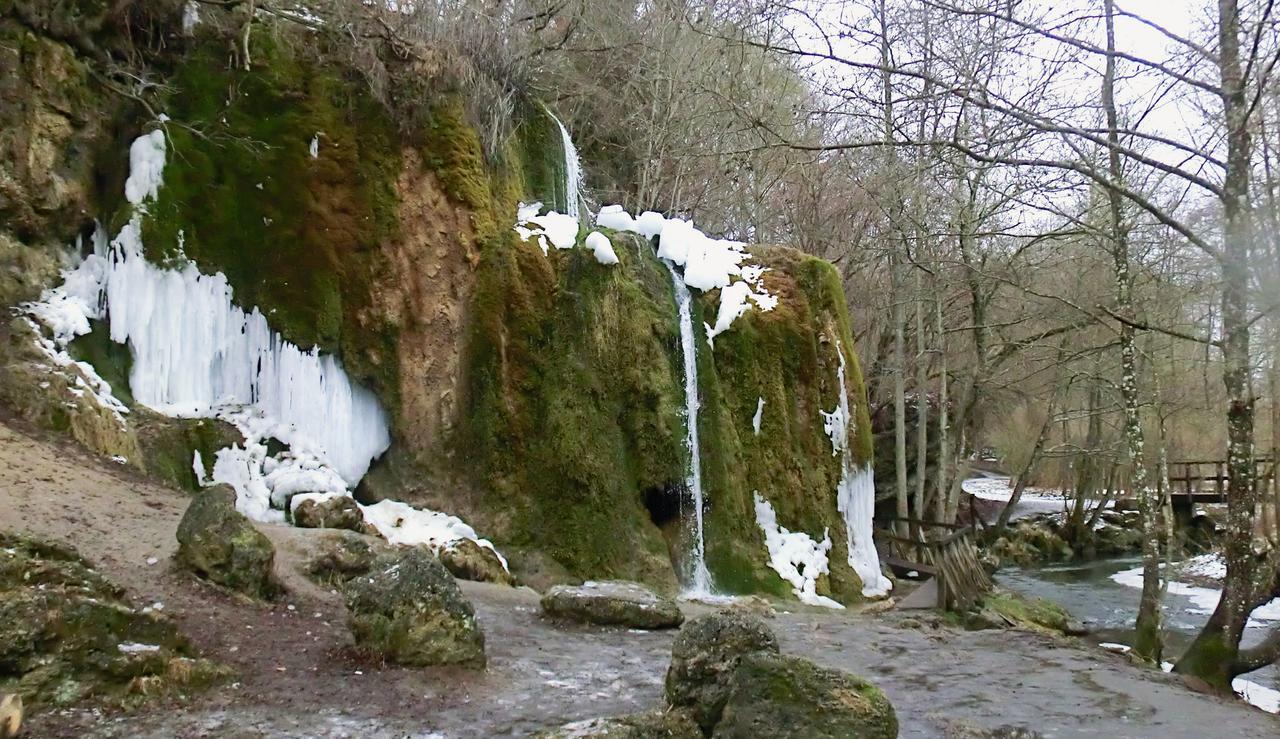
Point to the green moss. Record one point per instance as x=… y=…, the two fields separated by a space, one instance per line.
x=294 y=235
x=113 y=362
x=787 y=357
x=1036 y=614
x=169 y=445
x=541 y=156
x=573 y=402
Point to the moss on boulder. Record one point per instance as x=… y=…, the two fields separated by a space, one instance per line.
x=705 y=655
x=777 y=696
x=68 y=634
x=409 y=610
x=222 y=546
x=467 y=560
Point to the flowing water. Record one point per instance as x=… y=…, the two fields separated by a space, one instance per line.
x=1109 y=608
x=572 y=172
x=698 y=580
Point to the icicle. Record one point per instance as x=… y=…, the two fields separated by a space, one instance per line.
x=855 y=495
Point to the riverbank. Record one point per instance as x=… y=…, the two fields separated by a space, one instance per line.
x=297 y=675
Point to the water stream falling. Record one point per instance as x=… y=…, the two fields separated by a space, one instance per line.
x=699 y=579
x=572 y=172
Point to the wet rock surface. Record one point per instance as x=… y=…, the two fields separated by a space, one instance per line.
x=612 y=603
x=705 y=656
x=409 y=610
x=777 y=696
x=219 y=544
x=68 y=634
x=658 y=724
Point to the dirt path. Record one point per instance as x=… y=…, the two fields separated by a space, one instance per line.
x=298 y=677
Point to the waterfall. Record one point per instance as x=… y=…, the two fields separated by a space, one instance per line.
x=572 y=171
x=699 y=577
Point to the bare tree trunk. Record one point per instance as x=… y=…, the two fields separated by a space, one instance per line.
x=1147 y=641
x=944 y=437
x=1214 y=656
x=922 y=399
x=1020 y=484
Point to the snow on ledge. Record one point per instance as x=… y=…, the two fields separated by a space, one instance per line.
x=795 y=556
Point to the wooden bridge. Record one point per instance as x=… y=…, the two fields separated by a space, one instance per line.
x=1206 y=481
x=944 y=552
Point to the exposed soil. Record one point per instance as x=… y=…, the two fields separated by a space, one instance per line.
x=299 y=675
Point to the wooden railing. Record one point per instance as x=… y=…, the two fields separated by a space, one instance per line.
x=945 y=551
x=1198 y=481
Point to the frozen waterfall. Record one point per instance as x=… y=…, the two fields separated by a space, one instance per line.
x=572 y=172
x=855 y=494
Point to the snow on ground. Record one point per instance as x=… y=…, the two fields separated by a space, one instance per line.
x=794 y=555
x=1205 y=599
x=1033 y=501
x=1258 y=696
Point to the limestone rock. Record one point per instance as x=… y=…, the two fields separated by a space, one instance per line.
x=468 y=560
x=704 y=656
x=343 y=555
x=410 y=610
x=649 y=725
x=612 y=603
x=219 y=544
x=68 y=634
x=777 y=696
x=336 y=512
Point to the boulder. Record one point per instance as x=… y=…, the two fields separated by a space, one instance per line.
x=612 y=603
x=68 y=634
x=219 y=544
x=704 y=656
x=649 y=725
x=776 y=696
x=409 y=609
x=329 y=512
x=468 y=560
x=343 y=555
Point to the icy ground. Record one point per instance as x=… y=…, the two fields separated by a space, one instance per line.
x=297 y=677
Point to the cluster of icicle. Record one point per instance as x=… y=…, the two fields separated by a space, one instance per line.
x=196 y=354
x=855 y=494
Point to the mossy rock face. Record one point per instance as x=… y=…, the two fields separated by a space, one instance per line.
x=612 y=603
x=573 y=406
x=169 y=445
x=649 y=725
x=68 y=634
x=789 y=357
x=409 y=610
x=704 y=657
x=778 y=696
x=344 y=555
x=1005 y=609
x=219 y=544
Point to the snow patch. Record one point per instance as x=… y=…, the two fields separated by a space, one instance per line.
x=146 y=167
x=794 y=555
x=758 y=417
x=314 y=147
x=1205 y=600
x=554 y=229
x=401 y=523
x=602 y=247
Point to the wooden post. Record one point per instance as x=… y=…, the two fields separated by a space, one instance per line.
x=1220 y=479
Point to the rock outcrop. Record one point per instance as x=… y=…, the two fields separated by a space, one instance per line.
x=222 y=546
x=783 y=697
x=612 y=603
x=409 y=610
x=705 y=655
x=68 y=634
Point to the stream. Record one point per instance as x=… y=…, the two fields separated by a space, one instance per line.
x=1109 y=608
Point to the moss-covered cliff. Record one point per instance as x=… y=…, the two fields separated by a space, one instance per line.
x=538 y=396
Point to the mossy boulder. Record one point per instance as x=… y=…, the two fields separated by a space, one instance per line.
x=344 y=555
x=778 y=696
x=612 y=603
x=220 y=545
x=409 y=610
x=329 y=512
x=705 y=655
x=650 y=725
x=68 y=634
x=467 y=560
x=1006 y=609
